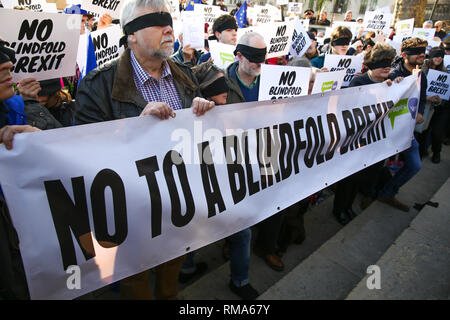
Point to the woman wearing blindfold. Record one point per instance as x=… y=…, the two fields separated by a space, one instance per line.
x=441 y=108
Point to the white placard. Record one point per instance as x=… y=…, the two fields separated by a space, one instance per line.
x=221 y=53
x=46 y=44
x=350 y=25
x=175 y=8
x=275 y=12
x=305 y=23
x=300 y=40
x=193 y=29
x=295 y=7
x=352 y=65
x=101 y=7
x=87 y=183
x=404 y=27
x=376 y=20
x=432 y=44
x=210 y=13
x=447 y=62
x=328 y=81
x=106 y=44
x=278 y=38
x=282 y=2
x=262 y=15
x=278 y=82
x=424 y=33
x=32 y=5
x=438 y=84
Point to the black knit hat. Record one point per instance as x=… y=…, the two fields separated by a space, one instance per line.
x=49 y=87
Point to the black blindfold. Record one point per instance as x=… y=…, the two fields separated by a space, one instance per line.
x=219 y=86
x=341 y=42
x=227 y=25
x=414 y=51
x=379 y=64
x=155 y=19
x=436 y=53
x=254 y=55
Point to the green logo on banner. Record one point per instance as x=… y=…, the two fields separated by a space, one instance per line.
x=327 y=85
x=226 y=57
x=400 y=108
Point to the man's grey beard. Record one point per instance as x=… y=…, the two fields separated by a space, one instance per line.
x=160 y=54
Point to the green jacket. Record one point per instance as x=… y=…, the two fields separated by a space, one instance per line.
x=234 y=93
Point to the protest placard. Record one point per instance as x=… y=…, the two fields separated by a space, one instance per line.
x=424 y=33
x=193 y=29
x=32 y=5
x=352 y=65
x=111 y=7
x=438 y=84
x=279 y=82
x=295 y=7
x=106 y=44
x=210 y=13
x=375 y=20
x=282 y=2
x=447 y=62
x=300 y=40
x=221 y=53
x=175 y=9
x=46 y=44
x=262 y=15
x=278 y=37
x=328 y=81
x=275 y=12
x=404 y=27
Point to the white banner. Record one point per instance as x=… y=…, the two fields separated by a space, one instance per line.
x=101 y=7
x=210 y=13
x=375 y=20
x=106 y=44
x=352 y=65
x=221 y=53
x=404 y=27
x=46 y=44
x=328 y=81
x=111 y=208
x=279 y=82
x=438 y=84
x=300 y=40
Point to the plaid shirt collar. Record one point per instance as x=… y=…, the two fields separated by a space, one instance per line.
x=143 y=76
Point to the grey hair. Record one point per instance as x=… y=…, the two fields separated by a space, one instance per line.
x=300 y=62
x=130 y=9
x=246 y=37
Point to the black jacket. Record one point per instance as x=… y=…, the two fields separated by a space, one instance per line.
x=109 y=92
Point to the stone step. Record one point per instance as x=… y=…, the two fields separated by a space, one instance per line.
x=334 y=270
x=417 y=264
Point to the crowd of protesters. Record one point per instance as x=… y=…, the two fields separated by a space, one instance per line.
x=150 y=79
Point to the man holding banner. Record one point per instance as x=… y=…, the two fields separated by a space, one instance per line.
x=143 y=81
x=413 y=56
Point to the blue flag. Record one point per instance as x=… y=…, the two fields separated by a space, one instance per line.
x=241 y=16
x=190 y=6
x=91 y=60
